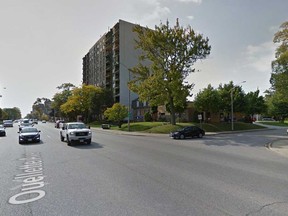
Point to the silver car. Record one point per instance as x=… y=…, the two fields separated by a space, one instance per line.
x=2 y=130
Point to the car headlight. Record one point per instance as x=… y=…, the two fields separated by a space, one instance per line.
x=90 y=132
x=71 y=133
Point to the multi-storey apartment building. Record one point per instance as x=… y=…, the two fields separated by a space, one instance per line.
x=107 y=63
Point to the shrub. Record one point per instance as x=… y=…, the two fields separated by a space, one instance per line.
x=148 y=117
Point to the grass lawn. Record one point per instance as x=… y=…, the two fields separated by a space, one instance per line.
x=165 y=128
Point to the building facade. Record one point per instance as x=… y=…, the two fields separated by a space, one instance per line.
x=107 y=63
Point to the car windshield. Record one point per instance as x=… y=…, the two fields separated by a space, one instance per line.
x=28 y=130
x=76 y=126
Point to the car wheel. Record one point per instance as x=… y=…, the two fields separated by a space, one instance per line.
x=68 y=141
x=182 y=136
x=61 y=137
x=89 y=141
x=200 y=135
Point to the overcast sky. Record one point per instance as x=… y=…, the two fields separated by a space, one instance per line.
x=42 y=42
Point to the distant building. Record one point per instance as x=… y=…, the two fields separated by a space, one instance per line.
x=139 y=109
x=107 y=62
x=107 y=65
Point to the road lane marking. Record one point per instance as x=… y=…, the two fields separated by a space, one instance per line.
x=31 y=180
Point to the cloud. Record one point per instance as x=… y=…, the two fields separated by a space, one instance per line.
x=274 y=29
x=254 y=66
x=259 y=57
x=190 y=17
x=193 y=1
x=148 y=11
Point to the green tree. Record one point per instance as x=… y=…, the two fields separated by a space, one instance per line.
x=44 y=117
x=11 y=113
x=148 y=117
x=280 y=65
x=168 y=55
x=39 y=108
x=100 y=102
x=255 y=104
x=81 y=102
x=117 y=113
x=225 y=95
x=276 y=107
x=208 y=100
x=279 y=76
x=4 y=114
x=61 y=98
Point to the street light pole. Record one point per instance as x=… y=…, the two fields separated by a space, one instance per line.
x=129 y=103
x=232 y=111
x=1 y=94
x=129 y=95
x=232 y=116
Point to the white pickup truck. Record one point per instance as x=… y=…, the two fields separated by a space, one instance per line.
x=75 y=132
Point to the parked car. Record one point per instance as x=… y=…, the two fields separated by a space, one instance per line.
x=61 y=124
x=189 y=131
x=29 y=134
x=2 y=130
x=8 y=123
x=267 y=119
x=43 y=121
x=57 y=123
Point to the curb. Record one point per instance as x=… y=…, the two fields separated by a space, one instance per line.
x=279 y=146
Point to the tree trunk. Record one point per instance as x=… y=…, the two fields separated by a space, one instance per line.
x=173 y=118
x=172 y=111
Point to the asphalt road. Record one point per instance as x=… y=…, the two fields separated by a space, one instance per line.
x=118 y=174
